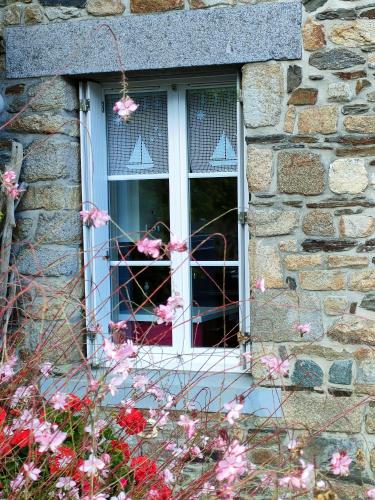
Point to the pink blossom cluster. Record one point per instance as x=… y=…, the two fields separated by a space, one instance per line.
x=125 y=107
x=10 y=185
x=94 y=217
x=153 y=248
x=233 y=464
x=122 y=357
x=275 y=366
x=166 y=312
x=300 y=479
x=340 y=463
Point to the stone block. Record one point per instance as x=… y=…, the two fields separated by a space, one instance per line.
x=272 y=221
x=347 y=261
x=340 y=372
x=53 y=94
x=63 y=226
x=33 y=14
x=307 y=373
x=370 y=420
x=318 y=222
x=259 y=169
x=26 y=226
x=294 y=77
x=339 y=92
x=322 y=280
x=348 y=175
x=363 y=124
x=303 y=97
x=147 y=6
x=350 y=329
x=368 y=302
x=329 y=413
x=300 y=172
x=365 y=364
x=297 y=262
x=356 y=34
x=320 y=351
x=347 y=14
x=13 y=14
x=62 y=13
x=313 y=35
x=362 y=281
x=265 y=262
x=49 y=160
x=51 y=197
x=361 y=84
x=273 y=316
x=318 y=119
x=355 y=109
x=262 y=88
x=106 y=7
x=68 y=3
x=290 y=120
x=356 y=226
x=335 y=59
x=48 y=260
x=288 y=246
x=45 y=123
x=336 y=306
x=311 y=5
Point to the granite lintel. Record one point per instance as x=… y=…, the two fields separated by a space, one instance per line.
x=185 y=39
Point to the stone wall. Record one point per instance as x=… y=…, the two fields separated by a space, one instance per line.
x=310 y=133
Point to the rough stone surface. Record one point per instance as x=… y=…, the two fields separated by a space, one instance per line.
x=356 y=34
x=355 y=109
x=271 y=222
x=147 y=6
x=368 y=302
x=290 y=119
x=335 y=306
x=340 y=372
x=106 y=7
x=348 y=176
x=300 y=172
x=259 y=169
x=302 y=97
x=322 y=280
x=347 y=14
x=45 y=123
x=274 y=314
x=318 y=119
x=360 y=124
x=370 y=420
x=365 y=364
x=265 y=261
x=262 y=89
x=62 y=13
x=362 y=281
x=318 y=222
x=311 y=5
x=288 y=246
x=313 y=35
x=33 y=14
x=356 y=226
x=63 y=226
x=307 y=373
x=347 y=261
x=176 y=39
x=48 y=260
x=48 y=160
x=12 y=14
x=339 y=92
x=350 y=329
x=51 y=197
x=297 y=262
x=68 y=3
x=53 y=94
x=335 y=59
x=294 y=77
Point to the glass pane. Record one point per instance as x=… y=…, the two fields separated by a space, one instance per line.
x=139 y=146
x=139 y=208
x=213 y=230
x=212 y=129
x=215 y=308
x=137 y=291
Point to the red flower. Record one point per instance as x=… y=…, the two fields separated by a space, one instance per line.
x=5 y=447
x=123 y=447
x=63 y=460
x=22 y=438
x=78 y=475
x=3 y=415
x=131 y=420
x=159 y=492
x=90 y=486
x=74 y=403
x=143 y=468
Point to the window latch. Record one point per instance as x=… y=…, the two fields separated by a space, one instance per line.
x=84 y=105
x=242 y=217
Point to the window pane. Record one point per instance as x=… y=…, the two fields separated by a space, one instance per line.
x=139 y=146
x=139 y=208
x=210 y=200
x=212 y=129
x=149 y=286
x=215 y=308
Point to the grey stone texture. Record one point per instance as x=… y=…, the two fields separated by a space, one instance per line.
x=340 y=372
x=335 y=59
x=48 y=260
x=247 y=33
x=307 y=373
x=300 y=172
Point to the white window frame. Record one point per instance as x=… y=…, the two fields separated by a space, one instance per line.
x=97 y=265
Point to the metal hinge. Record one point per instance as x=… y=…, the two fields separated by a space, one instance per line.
x=242 y=217
x=84 y=105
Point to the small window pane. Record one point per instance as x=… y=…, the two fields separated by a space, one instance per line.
x=213 y=204
x=140 y=208
x=215 y=308
x=139 y=146
x=212 y=130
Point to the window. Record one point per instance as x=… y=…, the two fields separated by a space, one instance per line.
x=175 y=170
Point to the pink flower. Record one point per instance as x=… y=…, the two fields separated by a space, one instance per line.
x=94 y=217
x=233 y=464
x=125 y=107
x=275 y=365
x=301 y=479
x=11 y=187
x=141 y=382
x=370 y=493
x=175 y=301
x=340 y=462
x=59 y=401
x=164 y=313
x=17 y=483
x=22 y=393
x=119 y=352
x=45 y=368
x=149 y=247
x=303 y=328
x=234 y=411
x=9 y=176
x=7 y=369
x=188 y=425
x=118 y=327
x=92 y=465
x=49 y=437
x=30 y=471
x=260 y=284
x=177 y=246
